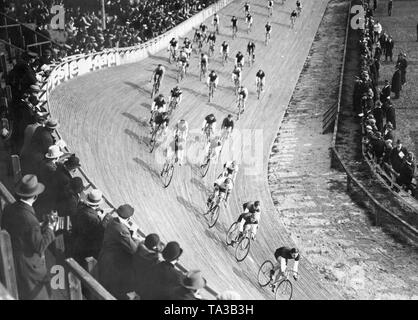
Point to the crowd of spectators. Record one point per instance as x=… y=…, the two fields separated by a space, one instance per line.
x=128 y=22
x=129 y=266
x=375 y=107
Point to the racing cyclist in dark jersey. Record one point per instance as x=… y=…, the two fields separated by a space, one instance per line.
x=249 y=219
x=251 y=50
x=227 y=127
x=158 y=74
x=260 y=78
x=176 y=94
x=234 y=24
x=282 y=256
x=239 y=59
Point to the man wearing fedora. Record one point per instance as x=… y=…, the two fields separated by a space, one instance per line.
x=189 y=289
x=41 y=140
x=165 y=276
x=88 y=227
x=115 y=263
x=47 y=169
x=29 y=240
x=396 y=82
x=145 y=258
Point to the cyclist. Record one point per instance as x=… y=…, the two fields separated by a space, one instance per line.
x=268 y=30
x=158 y=105
x=270 y=7
x=215 y=22
x=203 y=29
x=246 y=8
x=180 y=136
x=293 y=16
x=298 y=7
x=160 y=121
x=158 y=74
x=260 y=79
x=173 y=47
x=198 y=37
x=187 y=46
x=230 y=170
x=221 y=185
x=249 y=219
x=234 y=24
x=183 y=60
x=213 y=149
x=251 y=50
x=249 y=20
x=176 y=94
x=213 y=79
x=227 y=126
x=204 y=63
x=236 y=76
x=209 y=125
x=243 y=94
x=239 y=59
x=211 y=40
x=282 y=255
x=225 y=50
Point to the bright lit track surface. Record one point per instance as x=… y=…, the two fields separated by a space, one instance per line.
x=104 y=118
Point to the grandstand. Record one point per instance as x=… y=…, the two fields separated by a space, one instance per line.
x=99 y=90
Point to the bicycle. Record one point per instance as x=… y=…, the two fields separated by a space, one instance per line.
x=213 y=211
x=244 y=242
x=168 y=171
x=203 y=71
x=226 y=132
x=270 y=11
x=259 y=89
x=237 y=84
x=251 y=58
x=211 y=49
x=298 y=11
x=204 y=167
x=155 y=87
x=250 y=24
x=292 y=22
x=156 y=132
x=267 y=38
x=224 y=58
x=234 y=32
x=181 y=72
x=173 y=55
x=172 y=106
x=211 y=90
x=282 y=286
x=240 y=106
x=217 y=28
x=200 y=46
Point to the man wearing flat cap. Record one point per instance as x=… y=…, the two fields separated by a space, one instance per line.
x=115 y=264
x=29 y=240
x=88 y=227
x=165 y=275
x=145 y=258
x=189 y=289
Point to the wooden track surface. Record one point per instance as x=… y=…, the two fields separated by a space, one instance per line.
x=104 y=117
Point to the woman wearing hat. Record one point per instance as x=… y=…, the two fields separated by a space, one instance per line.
x=29 y=241
x=88 y=228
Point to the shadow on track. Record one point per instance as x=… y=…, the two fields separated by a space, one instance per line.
x=154 y=173
x=137 y=138
x=141 y=122
x=137 y=87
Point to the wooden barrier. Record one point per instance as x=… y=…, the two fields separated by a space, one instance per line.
x=78 y=277
x=7 y=266
x=4 y=294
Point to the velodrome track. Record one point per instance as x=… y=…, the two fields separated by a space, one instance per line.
x=103 y=119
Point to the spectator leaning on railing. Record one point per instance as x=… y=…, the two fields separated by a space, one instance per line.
x=373 y=109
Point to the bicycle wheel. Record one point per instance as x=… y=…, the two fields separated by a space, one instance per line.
x=232 y=233
x=263 y=276
x=239 y=110
x=284 y=290
x=153 y=90
x=204 y=168
x=213 y=215
x=243 y=248
x=153 y=141
x=167 y=174
x=258 y=91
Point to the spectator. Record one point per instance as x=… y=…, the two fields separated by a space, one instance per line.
x=41 y=140
x=378 y=146
x=29 y=240
x=63 y=174
x=146 y=257
x=115 y=264
x=385 y=92
x=406 y=172
x=388 y=152
x=388 y=132
x=403 y=64
x=70 y=199
x=391 y=115
x=397 y=155
x=88 y=229
x=38 y=121
x=190 y=286
x=389 y=49
x=390 y=7
x=396 y=82
x=165 y=276
x=378 y=115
